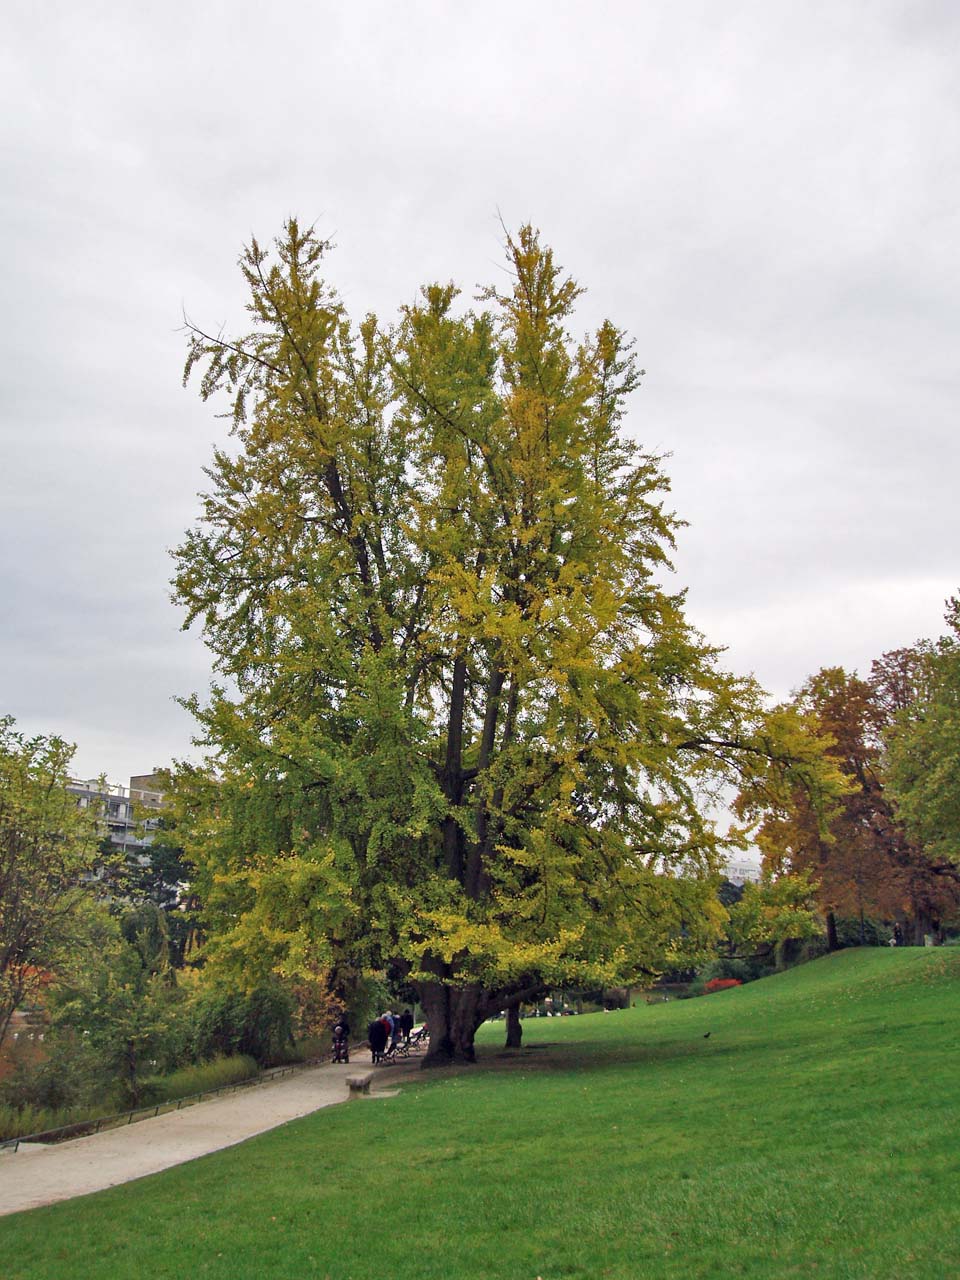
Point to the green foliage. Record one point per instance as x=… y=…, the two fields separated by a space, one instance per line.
x=461 y=726
x=73 y=1090
x=790 y=952
x=729 y=893
x=368 y=999
x=868 y=932
x=923 y=755
x=17 y=1121
x=118 y=994
x=730 y=967
x=199 y=1077
x=158 y=875
x=774 y=911
x=696 y=988
x=47 y=847
x=227 y=1021
x=145 y=928
x=70 y=1076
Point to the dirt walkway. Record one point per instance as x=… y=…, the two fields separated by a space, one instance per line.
x=37 y=1175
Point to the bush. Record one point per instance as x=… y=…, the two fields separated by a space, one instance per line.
x=200 y=1078
x=368 y=999
x=872 y=933
x=728 y=967
x=229 y=1022
x=793 y=951
x=720 y=984
x=268 y=1025
x=313 y=1047
x=696 y=988
x=18 y=1122
x=70 y=1075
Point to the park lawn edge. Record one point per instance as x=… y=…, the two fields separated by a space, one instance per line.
x=814 y=1131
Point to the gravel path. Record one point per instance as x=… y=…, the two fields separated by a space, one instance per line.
x=37 y=1175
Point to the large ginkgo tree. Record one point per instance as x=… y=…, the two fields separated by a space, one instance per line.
x=463 y=727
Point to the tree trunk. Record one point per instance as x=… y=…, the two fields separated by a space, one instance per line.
x=833 y=942
x=7 y=1011
x=453 y=1016
x=132 y=1082
x=514 y=1027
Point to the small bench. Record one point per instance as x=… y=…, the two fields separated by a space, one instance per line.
x=359 y=1084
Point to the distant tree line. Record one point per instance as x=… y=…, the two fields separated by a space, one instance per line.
x=890 y=848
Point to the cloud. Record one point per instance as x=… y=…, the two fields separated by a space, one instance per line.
x=765 y=196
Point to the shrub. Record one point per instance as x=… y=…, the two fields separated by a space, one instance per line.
x=71 y=1074
x=695 y=988
x=793 y=951
x=728 y=967
x=720 y=984
x=268 y=1025
x=258 y=1023
x=369 y=997
x=851 y=932
x=200 y=1078
x=312 y=1047
x=18 y=1122
x=27 y=1118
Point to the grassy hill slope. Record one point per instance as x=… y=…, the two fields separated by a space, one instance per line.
x=815 y=1132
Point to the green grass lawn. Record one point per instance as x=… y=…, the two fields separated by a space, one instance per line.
x=816 y=1132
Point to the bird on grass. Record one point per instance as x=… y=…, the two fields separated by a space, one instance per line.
x=707 y=1035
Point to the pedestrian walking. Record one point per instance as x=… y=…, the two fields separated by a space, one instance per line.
x=377 y=1036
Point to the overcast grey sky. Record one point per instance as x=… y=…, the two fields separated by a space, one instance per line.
x=764 y=193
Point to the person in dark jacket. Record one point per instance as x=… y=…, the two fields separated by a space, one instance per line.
x=406 y=1025
x=377 y=1035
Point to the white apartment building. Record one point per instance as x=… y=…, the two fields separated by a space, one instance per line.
x=116 y=805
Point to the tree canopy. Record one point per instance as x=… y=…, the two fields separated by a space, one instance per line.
x=47 y=846
x=463 y=726
x=924 y=749
x=865 y=861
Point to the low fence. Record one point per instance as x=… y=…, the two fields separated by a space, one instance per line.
x=81 y=1128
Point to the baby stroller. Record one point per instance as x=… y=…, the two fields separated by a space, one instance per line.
x=341 y=1045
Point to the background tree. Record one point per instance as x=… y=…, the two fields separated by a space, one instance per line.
x=47 y=847
x=924 y=750
x=470 y=732
x=771 y=913
x=157 y=875
x=120 y=998
x=864 y=862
